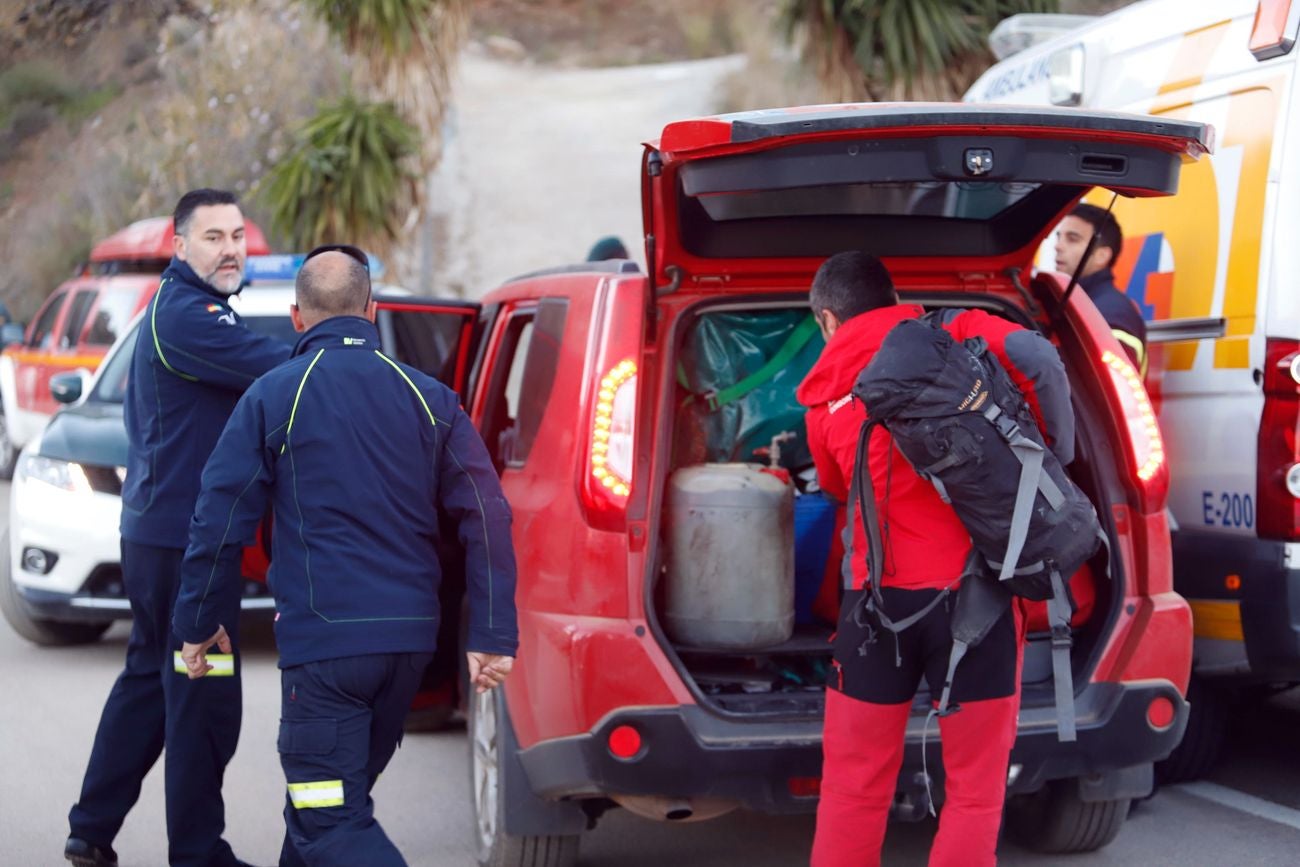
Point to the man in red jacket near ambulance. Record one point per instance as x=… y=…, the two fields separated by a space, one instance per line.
x=875 y=673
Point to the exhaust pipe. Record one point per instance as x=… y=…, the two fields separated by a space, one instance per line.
x=662 y=809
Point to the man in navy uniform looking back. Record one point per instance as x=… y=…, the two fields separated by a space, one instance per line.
x=193 y=358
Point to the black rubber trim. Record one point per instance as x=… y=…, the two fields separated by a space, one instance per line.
x=755 y=126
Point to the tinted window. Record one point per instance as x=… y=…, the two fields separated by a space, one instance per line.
x=543 y=355
x=111 y=385
x=279 y=327
x=41 y=337
x=522 y=375
x=429 y=342
x=81 y=304
x=501 y=404
x=979 y=200
x=112 y=316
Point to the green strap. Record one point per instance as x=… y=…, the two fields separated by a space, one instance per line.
x=797 y=340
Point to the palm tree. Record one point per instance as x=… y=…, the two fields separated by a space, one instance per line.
x=341 y=180
x=899 y=49
x=403 y=53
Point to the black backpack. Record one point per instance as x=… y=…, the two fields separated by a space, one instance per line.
x=961 y=422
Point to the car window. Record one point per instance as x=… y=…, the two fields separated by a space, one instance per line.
x=112 y=382
x=977 y=200
x=542 y=355
x=111 y=385
x=112 y=316
x=76 y=319
x=427 y=342
x=42 y=336
x=522 y=375
x=279 y=326
x=501 y=402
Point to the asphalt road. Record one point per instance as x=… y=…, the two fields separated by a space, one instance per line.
x=1248 y=814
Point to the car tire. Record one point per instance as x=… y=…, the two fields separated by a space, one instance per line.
x=1058 y=821
x=491 y=756
x=1207 y=731
x=47 y=633
x=8 y=451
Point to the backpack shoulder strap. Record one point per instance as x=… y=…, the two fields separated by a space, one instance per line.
x=864 y=496
x=862 y=502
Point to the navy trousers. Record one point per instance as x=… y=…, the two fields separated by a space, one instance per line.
x=340 y=722
x=152 y=705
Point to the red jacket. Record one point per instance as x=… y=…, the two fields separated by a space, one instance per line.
x=925 y=543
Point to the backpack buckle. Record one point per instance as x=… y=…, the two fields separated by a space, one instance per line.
x=1002 y=423
x=1061 y=636
x=710 y=399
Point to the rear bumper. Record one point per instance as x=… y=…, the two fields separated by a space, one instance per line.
x=1251 y=634
x=688 y=752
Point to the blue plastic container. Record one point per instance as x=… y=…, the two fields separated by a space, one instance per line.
x=814 y=527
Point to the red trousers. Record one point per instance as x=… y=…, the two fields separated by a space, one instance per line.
x=862 y=756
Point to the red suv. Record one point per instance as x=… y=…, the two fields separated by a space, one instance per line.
x=596 y=385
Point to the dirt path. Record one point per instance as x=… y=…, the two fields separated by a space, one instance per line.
x=541 y=162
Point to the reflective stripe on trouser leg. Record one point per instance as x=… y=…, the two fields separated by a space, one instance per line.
x=323 y=793
x=223 y=664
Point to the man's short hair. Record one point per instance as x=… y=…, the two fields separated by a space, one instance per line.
x=1104 y=226
x=195 y=199
x=851 y=283
x=335 y=293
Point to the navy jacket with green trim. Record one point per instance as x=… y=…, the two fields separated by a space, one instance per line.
x=356 y=453
x=193 y=359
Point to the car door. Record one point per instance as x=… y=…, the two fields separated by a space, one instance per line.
x=437 y=337
x=434 y=335
x=34 y=364
x=742 y=201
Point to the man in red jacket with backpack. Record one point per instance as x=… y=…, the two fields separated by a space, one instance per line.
x=875 y=672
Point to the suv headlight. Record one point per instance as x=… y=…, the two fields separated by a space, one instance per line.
x=64 y=475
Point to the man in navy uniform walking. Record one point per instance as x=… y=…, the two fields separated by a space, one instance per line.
x=193 y=358
x=356 y=453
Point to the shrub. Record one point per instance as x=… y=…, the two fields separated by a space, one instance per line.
x=346 y=177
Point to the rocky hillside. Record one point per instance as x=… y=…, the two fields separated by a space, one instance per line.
x=109 y=109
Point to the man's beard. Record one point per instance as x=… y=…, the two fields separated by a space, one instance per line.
x=234 y=281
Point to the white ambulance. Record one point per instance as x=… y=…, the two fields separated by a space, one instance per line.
x=1216 y=273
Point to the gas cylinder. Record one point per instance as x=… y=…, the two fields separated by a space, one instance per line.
x=730 y=578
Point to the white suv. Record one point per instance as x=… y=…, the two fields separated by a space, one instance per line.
x=61 y=581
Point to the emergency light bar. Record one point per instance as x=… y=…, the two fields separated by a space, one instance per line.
x=284 y=266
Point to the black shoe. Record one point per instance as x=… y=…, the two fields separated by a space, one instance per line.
x=85 y=854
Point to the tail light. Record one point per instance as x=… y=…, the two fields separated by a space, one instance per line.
x=1273 y=33
x=612 y=429
x=609 y=454
x=1277 y=478
x=1144 y=444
